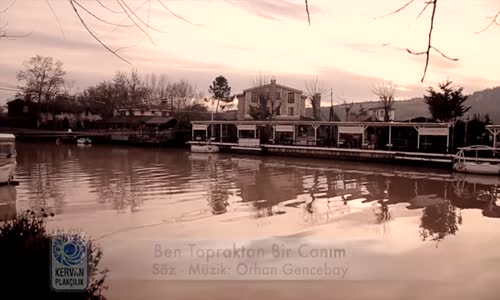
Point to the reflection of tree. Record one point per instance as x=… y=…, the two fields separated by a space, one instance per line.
x=383 y=214
x=216 y=196
x=438 y=221
x=122 y=195
x=7 y=202
x=217 y=200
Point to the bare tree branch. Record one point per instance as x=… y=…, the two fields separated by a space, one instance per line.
x=178 y=16
x=444 y=55
x=126 y=18
x=494 y=21
x=100 y=19
x=133 y=21
x=57 y=18
x=8 y=7
x=94 y=35
x=424 y=9
x=3 y=31
x=430 y=47
x=138 y=18
x=397 y=10
x=429 y=42
x=308 y=15
x=107 y=7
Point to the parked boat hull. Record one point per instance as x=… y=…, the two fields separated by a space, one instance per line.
x=204 y=149
x=84 y=141
x=477 y=168
x=7 y=172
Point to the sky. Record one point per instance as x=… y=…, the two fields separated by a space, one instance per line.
x=349 y=46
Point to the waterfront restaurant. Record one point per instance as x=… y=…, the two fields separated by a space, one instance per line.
x=494 y=130
x=382 y=136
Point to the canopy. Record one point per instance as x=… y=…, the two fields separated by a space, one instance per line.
x=7 y=137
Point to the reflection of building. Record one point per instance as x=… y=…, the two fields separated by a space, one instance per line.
x=270 y=187
x=8 y=207
x=291 y=102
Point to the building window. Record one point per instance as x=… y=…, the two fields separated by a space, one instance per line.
x=278 y=96
x=164 y=113
x=278 y=111
x=142 y=112
x=153 y=112
x=291 y=98
x=291 y=111
x=254 y=97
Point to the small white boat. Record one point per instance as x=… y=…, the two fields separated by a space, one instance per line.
x=204 y=148
x=7 y=158
x=84 y=141
x=476 y=164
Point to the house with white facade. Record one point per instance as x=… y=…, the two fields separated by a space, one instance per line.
x=285 y=102
x=378 y=113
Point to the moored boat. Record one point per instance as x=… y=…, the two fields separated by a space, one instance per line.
x=204 y=148
x=7 y=158
x=485 y=160
x=84 y=141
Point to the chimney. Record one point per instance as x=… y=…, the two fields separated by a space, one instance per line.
x=272 y=89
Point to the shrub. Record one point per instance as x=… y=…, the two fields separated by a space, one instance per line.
x=25 y=247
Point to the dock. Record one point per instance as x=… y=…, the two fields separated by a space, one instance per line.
x=387 y=142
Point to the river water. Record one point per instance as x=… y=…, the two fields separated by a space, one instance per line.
x=421 y=226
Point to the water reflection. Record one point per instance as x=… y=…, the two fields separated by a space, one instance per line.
x=7 y=202
x=188 y=186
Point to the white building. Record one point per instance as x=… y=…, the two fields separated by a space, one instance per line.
x=285 y=102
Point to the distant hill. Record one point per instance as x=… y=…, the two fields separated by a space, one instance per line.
x=482 y=102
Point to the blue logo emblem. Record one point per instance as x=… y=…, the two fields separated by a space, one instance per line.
x=69 y=251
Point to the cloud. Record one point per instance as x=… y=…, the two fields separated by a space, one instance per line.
x=274 y=9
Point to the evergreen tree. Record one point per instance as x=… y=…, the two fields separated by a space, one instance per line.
x=446 y=105
x=221 y=91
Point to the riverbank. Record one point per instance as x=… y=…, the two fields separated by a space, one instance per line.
x=118 y=137
x=177 y=140
x=437 y=160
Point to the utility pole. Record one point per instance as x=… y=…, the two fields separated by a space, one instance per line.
x=331 y=106
x=331 y=114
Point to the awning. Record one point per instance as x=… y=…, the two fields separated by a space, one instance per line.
x=247 y=127
x=200 y=127
x=284 y=128
x=433 y=131
x=351 y=129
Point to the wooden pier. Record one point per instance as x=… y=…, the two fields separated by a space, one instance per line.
x=388 y=142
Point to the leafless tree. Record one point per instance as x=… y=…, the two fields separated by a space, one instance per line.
x=347 y=109
x=314 y=91
x=267 y=105
x=385 y=91
x=136 y=90
x=183 y=94
x=157 y=88
x=42 y=76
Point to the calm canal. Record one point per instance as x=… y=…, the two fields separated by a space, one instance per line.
x=415 y=224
